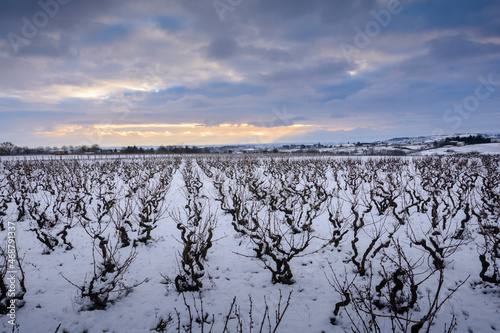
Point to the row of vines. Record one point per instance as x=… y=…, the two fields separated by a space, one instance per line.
x=389 y=227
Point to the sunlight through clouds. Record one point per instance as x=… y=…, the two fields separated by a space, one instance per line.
x=172 y=134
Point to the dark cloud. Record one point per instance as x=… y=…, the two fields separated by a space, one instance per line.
x=457 y=47
x=272 y=55
x=168 y=23
x=222 y=48
x=185 y=61
x=340 y=91
x=330 y=70
x=346 y=12
x=46 y=45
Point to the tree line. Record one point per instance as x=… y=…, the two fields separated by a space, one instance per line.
x=8 y=148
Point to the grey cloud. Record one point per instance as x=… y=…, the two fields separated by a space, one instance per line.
x=325 y=71
x=342 y=12
x=286 y=9
x=272 y=55
x=457 y=47
x=45 y=45
x=286 y=48
x=450 y=58
x=490 y=29
x=337 y=115
x=222 y=48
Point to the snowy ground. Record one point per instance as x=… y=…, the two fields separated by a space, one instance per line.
x=485 y=148
x=231 y=270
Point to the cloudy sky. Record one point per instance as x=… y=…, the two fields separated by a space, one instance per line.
x=121 y=72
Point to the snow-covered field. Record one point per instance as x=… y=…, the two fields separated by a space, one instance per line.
x=485 y=148
x=358 y=244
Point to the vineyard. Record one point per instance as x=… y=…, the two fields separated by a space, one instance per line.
x=216 y=243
